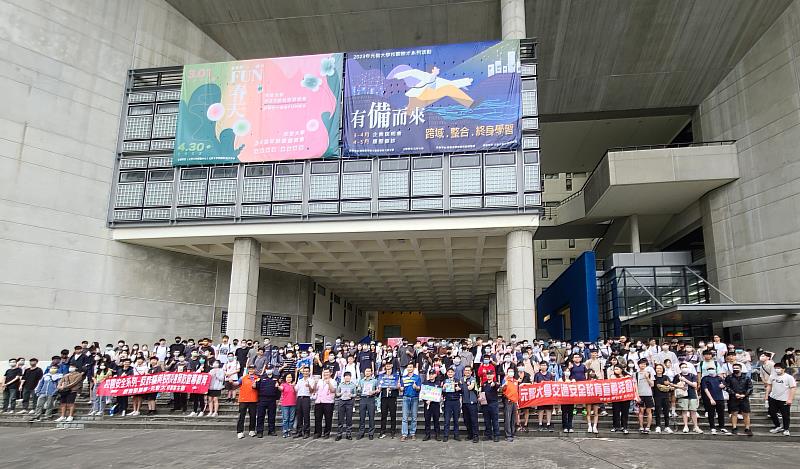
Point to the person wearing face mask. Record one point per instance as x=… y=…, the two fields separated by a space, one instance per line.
x=686 y=396
x=215 y=387
x=10 y=385
x=180 y=399
x=177 y=346
x=150 y=398
x=486 y=366
x=46 y=392
x=711 y=385
x=99 y=374
x=739 y=387
x=231 y=371
x=197 y=364
x=139 y=368
x=68 y=388
x=30 y=378
x=268 y=394
x=779 y=392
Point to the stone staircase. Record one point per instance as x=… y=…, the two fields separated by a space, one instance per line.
x=228 y=413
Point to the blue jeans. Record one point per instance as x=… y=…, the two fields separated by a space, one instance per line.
x=410 y=406
x=287 y=414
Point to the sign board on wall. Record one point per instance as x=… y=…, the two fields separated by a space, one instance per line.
x=449 y=98
x=274 y=325
x=272 y=109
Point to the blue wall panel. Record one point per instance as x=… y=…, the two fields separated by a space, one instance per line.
x=576 y=288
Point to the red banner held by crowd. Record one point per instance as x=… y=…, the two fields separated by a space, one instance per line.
x=579 y=392
x=192 y=383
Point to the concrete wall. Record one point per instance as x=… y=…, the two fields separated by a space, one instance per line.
x=341 y=323
x=63 y=67
x=751 y=226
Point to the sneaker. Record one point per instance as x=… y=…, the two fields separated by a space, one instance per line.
x=192 y=414
x=735 y=431
x=641 y=430
x=686 y=429
x=589 y=429
x=62 y=418
x=786 y=433
x=596 y=431
x=705 y=415
x=252 y=433
x=550 y=428
x=22 y=412
x=646 y=431
x=667 y=430
x=69 y=419
x=402 y=438
x=613 y=430
x=33 y=412
x=724 y=431
x=90 y=414
x=658 y=429
x=776 y=430
x=603 y=414
x=541 y=428
x=123 y=413
x=698 y=430
x=240 y=435
x=624 y=431
x=748 y=432
x=200 y=414
x=571 y=430
x=382 y=436
x=713 y=431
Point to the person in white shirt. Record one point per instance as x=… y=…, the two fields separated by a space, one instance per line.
x=719 y=348
x=161 y=350
x=779 y=393
x=352 y=367
x=222 y=350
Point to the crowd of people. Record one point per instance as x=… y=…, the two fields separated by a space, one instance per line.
x=374 y=379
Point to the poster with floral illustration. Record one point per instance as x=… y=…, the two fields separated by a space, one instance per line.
x=285 y=108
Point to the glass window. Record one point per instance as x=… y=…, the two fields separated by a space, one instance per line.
x=132 y=176
x=258 y=171
x=544 y=268
x=289 y=169
x=224 y=172
x=529 y=84
x=394 y=165
x=572 y=244
x=196 y=173
x=427 y=163
x=531 y=157
x=358 y=166
x=495 y=159
x=569 y=184
x=462 y=161
x=543 y=244
x=325 y=168
x=162 y=175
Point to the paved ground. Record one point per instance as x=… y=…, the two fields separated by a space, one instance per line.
x=209 y=449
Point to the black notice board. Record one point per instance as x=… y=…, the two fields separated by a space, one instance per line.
x=275 y=325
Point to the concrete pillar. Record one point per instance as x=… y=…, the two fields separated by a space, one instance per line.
x=501 y=284
x=633 y=220
x=244 y=288
x=512 y=19
x=521 y=289
x=492 y=319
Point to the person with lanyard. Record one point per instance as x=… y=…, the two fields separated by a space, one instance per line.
x=490 y=407
x=432 y=408
x=324 y=403
x=469 y=403
x=368 y=390
x=619 y=409
x=346 y=391
x=510 y=390
x=451 y=394
x=389 y=385
x=305 y=387
x=411 y=387
x=248 y=401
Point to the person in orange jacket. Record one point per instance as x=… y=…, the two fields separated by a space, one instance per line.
x=248 y=401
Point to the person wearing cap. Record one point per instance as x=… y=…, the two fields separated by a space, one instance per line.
x=432 y=408
x=490 y=409
x=248 y=401
x=739 y=387
x=268 y=394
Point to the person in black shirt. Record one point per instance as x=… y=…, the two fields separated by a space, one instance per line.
x=176 y=347
x=30 y=378
x=13 y=376
x=452 y=403
x=491 y=408
x=432 y=409
x=662 y=391
x=122 y=401
x=268 y=394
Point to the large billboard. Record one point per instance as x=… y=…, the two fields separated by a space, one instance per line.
x=450 y=98
x=260 y=110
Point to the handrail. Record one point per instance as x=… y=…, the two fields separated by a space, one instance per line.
x=710 y=285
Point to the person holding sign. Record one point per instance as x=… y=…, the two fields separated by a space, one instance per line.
x=346 y=392
x=389 y=383
x=368 y=389
x=411 y=388
x=451 y=389
x=431 y=396
x=469 y=404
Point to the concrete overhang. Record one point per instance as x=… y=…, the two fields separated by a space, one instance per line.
x=657 y=181
x=419 y=264
x=679 y=315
